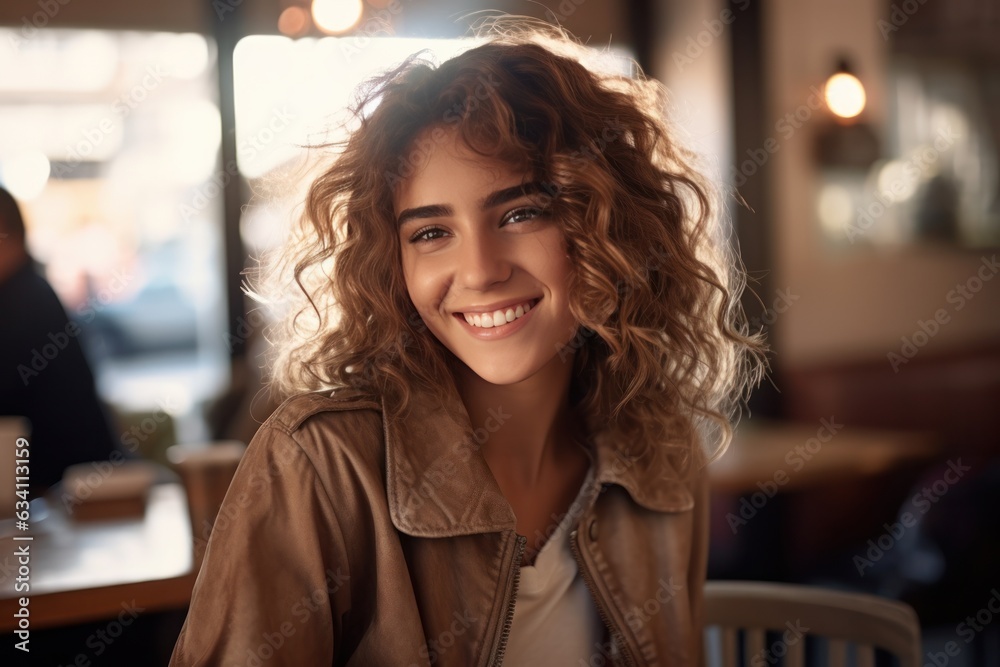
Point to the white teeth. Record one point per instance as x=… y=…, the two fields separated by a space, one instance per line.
x=497 y=317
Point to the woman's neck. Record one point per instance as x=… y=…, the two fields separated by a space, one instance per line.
x=531 y=425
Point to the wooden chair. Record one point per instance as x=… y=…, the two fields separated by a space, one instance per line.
x=794 y=612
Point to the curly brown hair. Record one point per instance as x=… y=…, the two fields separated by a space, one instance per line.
x=663 y=352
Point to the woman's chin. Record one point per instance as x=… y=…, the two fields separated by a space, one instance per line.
x=493 y=373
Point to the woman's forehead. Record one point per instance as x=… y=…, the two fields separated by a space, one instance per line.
x=438 y=160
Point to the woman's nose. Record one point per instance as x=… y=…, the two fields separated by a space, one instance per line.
x=482 y=261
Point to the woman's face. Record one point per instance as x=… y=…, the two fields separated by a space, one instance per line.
x=475 y=242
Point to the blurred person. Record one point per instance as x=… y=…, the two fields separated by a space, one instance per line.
x=516 y=343
x=44 y=374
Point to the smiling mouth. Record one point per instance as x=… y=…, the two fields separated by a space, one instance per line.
x=498 y=318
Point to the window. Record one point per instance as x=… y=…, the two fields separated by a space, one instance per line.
x=107 y=139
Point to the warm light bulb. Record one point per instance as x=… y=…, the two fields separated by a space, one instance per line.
x=336 y=16
x=845 y=95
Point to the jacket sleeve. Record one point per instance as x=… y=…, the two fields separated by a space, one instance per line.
x=274 y=580
x=699 y=564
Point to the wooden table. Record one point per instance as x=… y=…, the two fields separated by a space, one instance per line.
x=84 y=571
x=799 y=455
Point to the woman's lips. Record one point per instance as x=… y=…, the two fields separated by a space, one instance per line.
x=499 y=317
x=502 y=331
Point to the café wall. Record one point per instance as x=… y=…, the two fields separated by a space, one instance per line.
x=854 y=303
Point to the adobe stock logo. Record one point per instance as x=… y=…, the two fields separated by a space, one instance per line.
x=962 y=293
x=922 y=503
x=772 y=654
x=898 y=17
x=966 y=631
x=48 y=349
x=796 y=458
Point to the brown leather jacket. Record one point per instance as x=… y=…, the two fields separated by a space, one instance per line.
x=348 y=540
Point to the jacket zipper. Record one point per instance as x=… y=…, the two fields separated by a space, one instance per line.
x=616 y=636
x=509 y=618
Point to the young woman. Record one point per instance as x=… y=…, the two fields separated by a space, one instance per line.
x=517 y=345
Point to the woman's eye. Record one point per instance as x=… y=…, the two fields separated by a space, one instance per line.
x=422 y=235
x=522 y=214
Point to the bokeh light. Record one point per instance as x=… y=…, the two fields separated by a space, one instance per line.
x=336 y=16
x=293 y=21
x=845 y=95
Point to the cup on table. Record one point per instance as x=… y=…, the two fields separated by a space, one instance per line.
x=206 y=471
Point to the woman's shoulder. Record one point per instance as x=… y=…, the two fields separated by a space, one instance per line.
x=327 y=426
x=295 y=411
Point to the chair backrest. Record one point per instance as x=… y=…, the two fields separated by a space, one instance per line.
x=793 y=611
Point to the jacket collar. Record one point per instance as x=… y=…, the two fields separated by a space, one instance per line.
x=440 y=485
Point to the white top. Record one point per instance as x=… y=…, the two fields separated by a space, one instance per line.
x=555 y=619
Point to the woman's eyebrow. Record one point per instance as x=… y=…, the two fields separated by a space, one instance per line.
x=433 y=211
x=509 y=194
x=492 y=200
